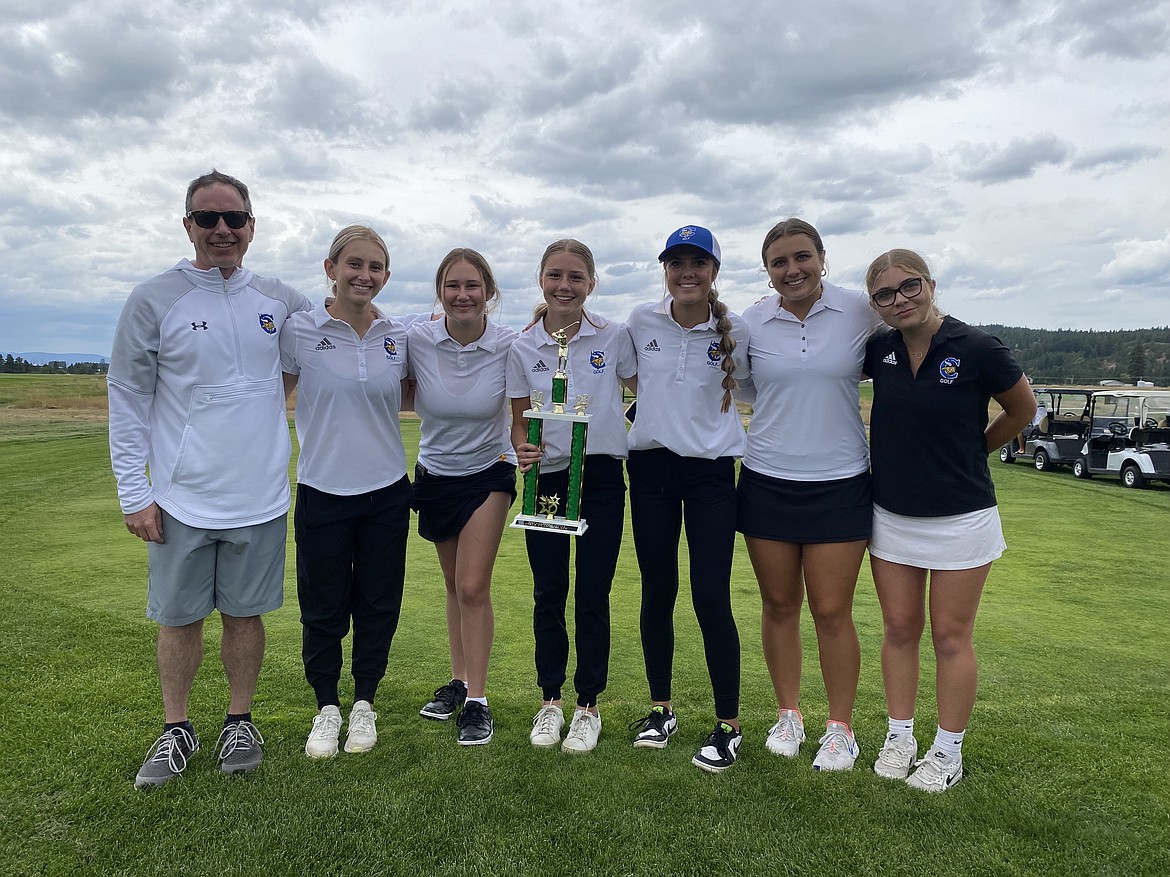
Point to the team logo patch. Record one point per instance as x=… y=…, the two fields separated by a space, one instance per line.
x=597 y=360
x=948 y=370
x=686 y=233
x=267 y=323
x=389 y=346
x=714 y=358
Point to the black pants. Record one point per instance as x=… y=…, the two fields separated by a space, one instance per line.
x=665 y=491
x=603 y=506
x=351 y=562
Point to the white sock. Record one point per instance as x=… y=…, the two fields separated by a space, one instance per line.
x=950 y=742
x=480 y=700
x=900 y=728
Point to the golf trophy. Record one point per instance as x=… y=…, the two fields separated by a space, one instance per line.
x=545 y=516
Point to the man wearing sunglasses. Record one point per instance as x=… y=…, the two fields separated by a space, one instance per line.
x=196 y=401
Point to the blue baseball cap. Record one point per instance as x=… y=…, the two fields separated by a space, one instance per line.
x=692 y=236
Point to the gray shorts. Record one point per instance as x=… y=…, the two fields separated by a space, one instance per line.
x=239 y=571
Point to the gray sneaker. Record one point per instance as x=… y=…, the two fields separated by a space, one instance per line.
x=167 y=758
x=239 y=748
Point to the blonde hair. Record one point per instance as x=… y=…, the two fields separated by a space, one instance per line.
x=910 y=262
x=907 y=260
x=574 y=248
x=347 y=236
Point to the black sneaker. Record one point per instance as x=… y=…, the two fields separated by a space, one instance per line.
x=448 y=699
x=167 y=758
x=239 y=748
x=719 y=749
x=475 y=724
x=655 y=729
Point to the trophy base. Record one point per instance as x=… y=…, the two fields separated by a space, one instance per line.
x=550 y=525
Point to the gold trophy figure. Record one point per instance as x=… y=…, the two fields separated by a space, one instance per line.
x=548 y=520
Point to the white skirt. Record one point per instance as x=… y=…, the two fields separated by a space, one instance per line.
x=951 y=542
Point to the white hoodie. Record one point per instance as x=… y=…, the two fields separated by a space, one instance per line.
x=195 y=392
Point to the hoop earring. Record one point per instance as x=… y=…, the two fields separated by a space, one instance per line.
x=771 y=285
x=824 y=272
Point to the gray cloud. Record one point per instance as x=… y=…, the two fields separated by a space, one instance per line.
x=1019 y=159
x=1115 y=158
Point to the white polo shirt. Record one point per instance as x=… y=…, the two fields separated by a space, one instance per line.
x=598 y=356
x=680 y=384
x=348 y=396
x=806 y=424
x=460 y=399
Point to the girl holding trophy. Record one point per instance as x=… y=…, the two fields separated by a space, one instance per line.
x=465 y=477
x=683 y=446
x=587 y=358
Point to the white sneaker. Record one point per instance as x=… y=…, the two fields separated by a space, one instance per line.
x=897 y=758
x=546 y=726
x=363 y=732
x=838 y=750
x=937 y=772
x=583 y=732
x=785 y=737
x=322 y=742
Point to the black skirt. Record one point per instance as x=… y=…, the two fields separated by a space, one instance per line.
x=804 y=511
x=445 y=503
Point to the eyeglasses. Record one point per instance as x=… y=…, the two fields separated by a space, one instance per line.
x=883 y=298
x=211 y=218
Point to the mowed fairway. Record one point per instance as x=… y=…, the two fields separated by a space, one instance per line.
x=1066 y=767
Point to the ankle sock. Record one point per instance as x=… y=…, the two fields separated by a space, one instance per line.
x=235 y=719
x=900 y=728
x=185 y=724
x=482 y=701
x=950 y=742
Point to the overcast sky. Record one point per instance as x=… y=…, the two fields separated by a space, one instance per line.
x=1021 y=146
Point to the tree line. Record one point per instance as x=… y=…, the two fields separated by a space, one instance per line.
x=18 y=365
x=1072 y=356
x=1048 y=356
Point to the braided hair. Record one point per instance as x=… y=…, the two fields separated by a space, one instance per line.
x=726 y=346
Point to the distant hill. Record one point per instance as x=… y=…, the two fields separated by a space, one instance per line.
x=1068 y=356
x=37 y=358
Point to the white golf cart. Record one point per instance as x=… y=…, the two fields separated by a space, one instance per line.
x=1129 y=437
x=1057 y=439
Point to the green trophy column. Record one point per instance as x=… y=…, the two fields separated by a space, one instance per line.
x=530 y=477
x=576 y=471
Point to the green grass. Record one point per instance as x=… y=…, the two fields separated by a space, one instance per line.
x=1065 y=761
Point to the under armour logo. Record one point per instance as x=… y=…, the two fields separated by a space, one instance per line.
x=202 y=325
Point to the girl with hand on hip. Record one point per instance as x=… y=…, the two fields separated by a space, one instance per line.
x=936 y=527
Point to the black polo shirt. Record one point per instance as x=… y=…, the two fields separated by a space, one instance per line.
x=928 y=451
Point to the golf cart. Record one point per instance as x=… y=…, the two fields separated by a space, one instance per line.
x=1057 y=439
x=1129 y=437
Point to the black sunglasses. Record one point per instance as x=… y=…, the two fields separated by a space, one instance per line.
x=883 y=298
x=211 y=218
